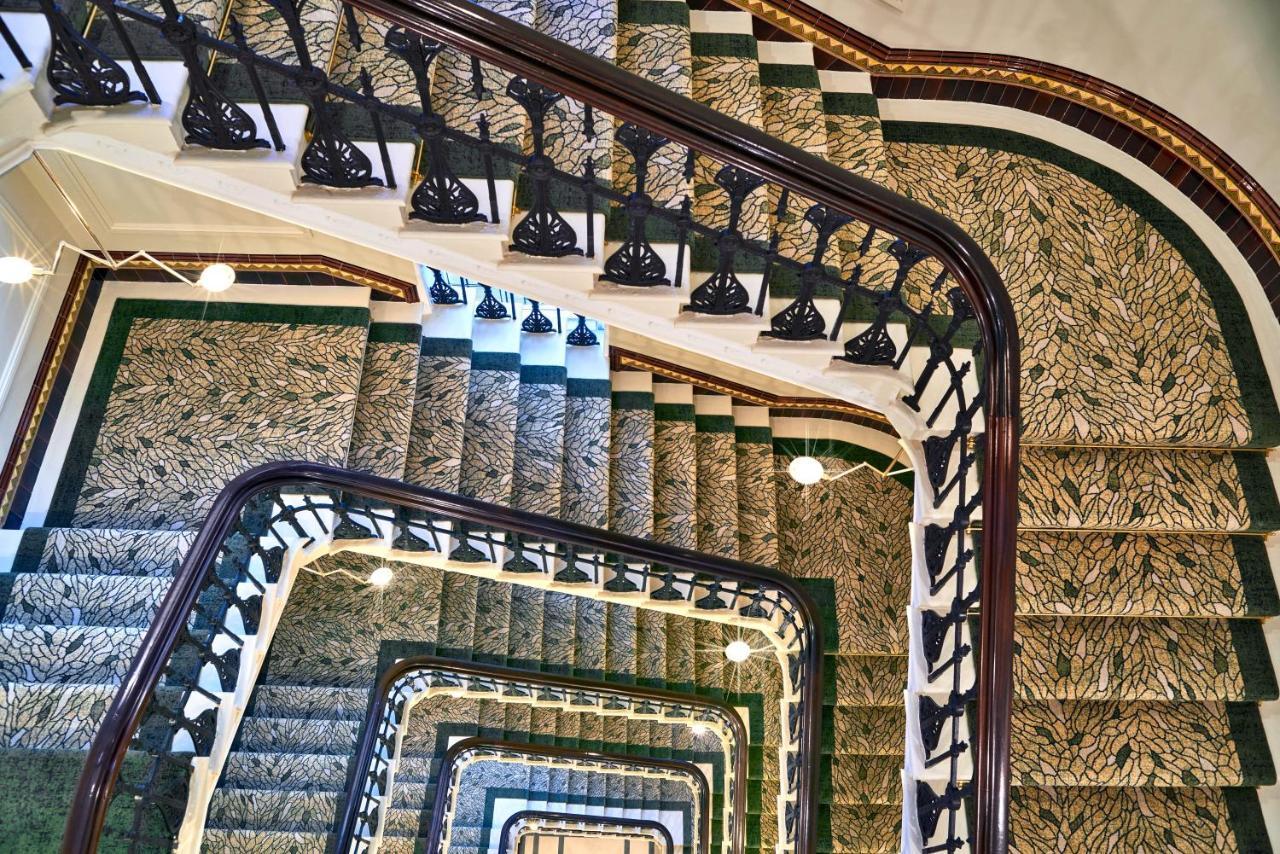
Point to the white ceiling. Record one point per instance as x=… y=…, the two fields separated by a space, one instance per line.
x=1215 y=65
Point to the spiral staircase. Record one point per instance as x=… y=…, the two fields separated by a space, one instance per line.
x=1140 y=664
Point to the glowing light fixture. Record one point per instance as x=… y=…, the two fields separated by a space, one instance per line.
x=698 y=730
x=737 y=651
x=381 y=576
x=806 y=470
x=15 y=270
x=217 y=277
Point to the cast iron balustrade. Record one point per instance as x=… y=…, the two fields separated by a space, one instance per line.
x=169 y=703
x=942 y=320
x=407 y=680
x=478 y=748
x=546 y=822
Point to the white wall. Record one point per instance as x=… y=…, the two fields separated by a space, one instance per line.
x=1214 y=65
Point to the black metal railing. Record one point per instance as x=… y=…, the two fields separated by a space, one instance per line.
x=470 y=750
x=168 y=705
x=885 y=276
x=410 y=678
x=547 y=822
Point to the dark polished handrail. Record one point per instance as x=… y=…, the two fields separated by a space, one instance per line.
x=638 y=825
x=577 y=74
x=440 y=805
x=106 y=754
x=386 y=683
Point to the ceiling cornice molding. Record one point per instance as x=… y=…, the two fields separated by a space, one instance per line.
x=929 y=69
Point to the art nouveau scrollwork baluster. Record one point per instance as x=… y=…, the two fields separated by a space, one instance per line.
x=79 y=71
x=723 y=293
x=582 y=336
x=209 y=118
x=874 y=346
x=440 y=197
x=330 y=159
x=441 y=292
x=536 y=321
x=801 y=320
x=543 y=232
x=636 y=263
x=491 y=308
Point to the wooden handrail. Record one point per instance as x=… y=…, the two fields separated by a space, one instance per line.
x=638 y=825
x=350 y=817
x=454 y=754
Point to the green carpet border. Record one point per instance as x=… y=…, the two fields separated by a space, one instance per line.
x=1258 y=675
x=1256 y=765
x=1258 y=582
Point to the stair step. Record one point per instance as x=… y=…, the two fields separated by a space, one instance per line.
x=310 y=772
x=384 y=411
x=871 y=730
x=297 y=735
x=83 y=654
x=439 y=411
x=865 y=780
x=863 y=829
x=1146 y=490
x=1081 y=573
x=870 y=680
x=1088 y=743
x=1197 y=820
x=52 y=716
x=84 y=600
x=489 y=436
x=321 y=703
x=1100 y=658
x=274 y=810
x=102 y=551
x=264 y=842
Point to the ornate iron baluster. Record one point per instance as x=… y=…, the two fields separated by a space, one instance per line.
x=210 y=118
x=440 y=197
x=581 y=336
x=491 y=308
x=442 y=293
x=330 y=159
x=536 y=321
x=801 y=320
x=79 y=71
x=873 y=346
x=543 y=231
x=636 y=263
x=722 y=293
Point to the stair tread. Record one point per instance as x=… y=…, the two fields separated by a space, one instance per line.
x=84 y=600
x=1197 y=820
x=50 y=716
x=384 y=410
x=1092 y=743
x=434 y=455
x=273 y=809
x=1146 y=490
x=312 y=772
x=1081 y=573
x=236 y=841
x=1102 y=658
x=83 y=654
x=102 y=551
x=297 y=735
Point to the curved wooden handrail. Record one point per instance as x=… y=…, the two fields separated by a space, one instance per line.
x=454 y=753
x=106 y=755
x=577 y=74
x=639 y=825
x=345 y=831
